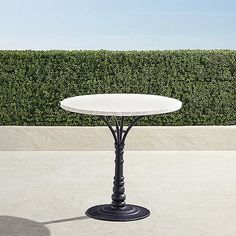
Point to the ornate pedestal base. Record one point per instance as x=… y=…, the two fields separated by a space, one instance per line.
x=118 y=210
x=126 y=213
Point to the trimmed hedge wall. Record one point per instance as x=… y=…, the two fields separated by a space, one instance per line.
x=33 y=82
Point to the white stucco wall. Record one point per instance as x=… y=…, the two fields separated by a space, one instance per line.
x=99 y=138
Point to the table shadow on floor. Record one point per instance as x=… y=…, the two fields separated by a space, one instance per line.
x=15 y=226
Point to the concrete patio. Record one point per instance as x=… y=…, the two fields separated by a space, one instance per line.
x=188 y=193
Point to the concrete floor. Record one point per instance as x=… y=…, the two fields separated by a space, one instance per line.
x=47 y=193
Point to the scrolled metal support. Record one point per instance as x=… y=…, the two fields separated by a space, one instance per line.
x=105 y=119
x=135 y=120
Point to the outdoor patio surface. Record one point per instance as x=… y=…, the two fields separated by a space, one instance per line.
x=47 y=193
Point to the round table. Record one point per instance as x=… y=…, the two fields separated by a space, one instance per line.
x=113 y=108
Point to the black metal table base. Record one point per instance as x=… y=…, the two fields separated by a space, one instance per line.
x=118 y=210
x=126 y=213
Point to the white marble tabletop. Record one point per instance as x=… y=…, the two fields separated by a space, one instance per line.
x=121 y=104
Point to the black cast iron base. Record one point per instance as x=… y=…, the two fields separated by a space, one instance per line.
x=118 y=210
x=126 y=213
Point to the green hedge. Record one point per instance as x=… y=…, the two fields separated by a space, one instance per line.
x=33 y=82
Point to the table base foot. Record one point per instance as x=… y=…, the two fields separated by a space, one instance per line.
x=126 y=213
